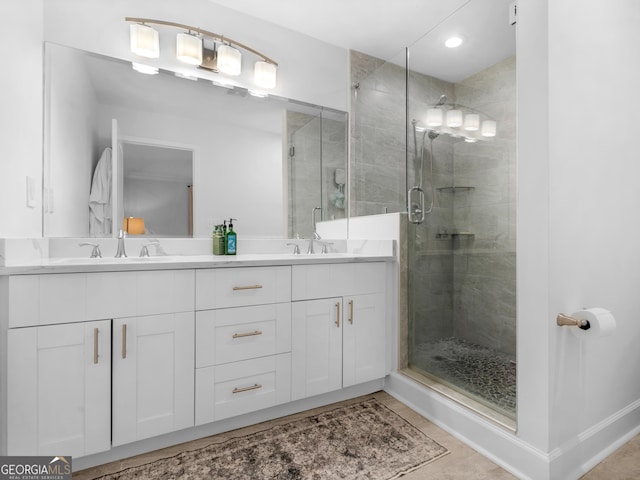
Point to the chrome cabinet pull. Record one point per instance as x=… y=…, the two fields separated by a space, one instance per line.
x=246 y=334
x=246 y=389
x=247 y=287
x=95 y=345
x=351 y=312
x=124 y=340
x=338 y=314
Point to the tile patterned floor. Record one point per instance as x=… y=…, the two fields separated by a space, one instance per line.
x=482 y=372
x=461 y=463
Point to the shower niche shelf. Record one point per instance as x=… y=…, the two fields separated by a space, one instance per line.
x=455 y=189
x=450 y=236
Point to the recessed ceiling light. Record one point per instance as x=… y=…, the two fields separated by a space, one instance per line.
x=453 y=42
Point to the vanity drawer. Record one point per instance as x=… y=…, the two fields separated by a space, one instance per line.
x=242 y=387
x=338 y=279
x=238 y=287
x=77 y=297
x=233 y=334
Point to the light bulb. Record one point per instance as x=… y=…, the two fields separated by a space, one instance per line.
x=434 y=117
x=488 y=128
x=454 y=118
x=471 y=122
x=189 y=49
x=264 y=74
x=144 y=41
x=229 y=60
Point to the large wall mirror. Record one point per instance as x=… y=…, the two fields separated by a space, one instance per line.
x=182 y=154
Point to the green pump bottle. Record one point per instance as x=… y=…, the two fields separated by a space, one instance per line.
x=231 y=239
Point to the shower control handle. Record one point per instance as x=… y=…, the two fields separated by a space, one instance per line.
x=416 y=215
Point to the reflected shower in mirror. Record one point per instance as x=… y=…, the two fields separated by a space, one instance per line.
x=239 y=144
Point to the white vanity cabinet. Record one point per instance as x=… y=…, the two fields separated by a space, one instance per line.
x=59 y=358
x=243 y=341
x=59 y=384
x=153 y=365
x=340 y=340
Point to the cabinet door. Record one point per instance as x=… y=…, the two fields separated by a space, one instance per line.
x=153 y=376
x=59 y=385
x=364 y=351
x=316 y=347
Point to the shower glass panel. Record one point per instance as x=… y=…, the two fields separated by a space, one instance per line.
x=461 y=209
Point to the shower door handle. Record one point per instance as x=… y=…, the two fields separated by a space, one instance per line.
x=416 y=215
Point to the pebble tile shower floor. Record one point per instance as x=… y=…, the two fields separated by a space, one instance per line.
x=480 y=371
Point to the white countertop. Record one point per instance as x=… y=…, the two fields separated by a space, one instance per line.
x=176 y=262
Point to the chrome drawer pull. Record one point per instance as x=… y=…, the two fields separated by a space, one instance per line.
x=246 y=389
x=337 y=322
x=247 y=287
x=247 y=334
x=351 y=312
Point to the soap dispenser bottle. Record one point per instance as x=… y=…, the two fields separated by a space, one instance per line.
x=218 y=241
x=231 y=239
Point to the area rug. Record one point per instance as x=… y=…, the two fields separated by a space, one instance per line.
x=361 y=441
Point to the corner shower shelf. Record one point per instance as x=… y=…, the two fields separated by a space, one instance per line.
x=455 y=189
x=450 y=236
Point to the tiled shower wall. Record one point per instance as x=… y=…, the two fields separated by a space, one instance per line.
x=463 y=286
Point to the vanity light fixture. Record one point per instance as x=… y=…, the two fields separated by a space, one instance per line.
x=434 y=117
x=264 y=74
x=144 y=40
x=471 y=122
x=488 y=128
x=225 y=56
x=229 y=60
x=454 y=118
x=189 y=48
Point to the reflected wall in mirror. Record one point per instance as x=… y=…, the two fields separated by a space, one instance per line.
x=240 y=146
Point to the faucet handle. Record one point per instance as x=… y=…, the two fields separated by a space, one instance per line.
x=325 y=246
x=95 y=252
x=296 y=248
x=144 y=251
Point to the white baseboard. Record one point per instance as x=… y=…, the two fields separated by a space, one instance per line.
x=568 y=462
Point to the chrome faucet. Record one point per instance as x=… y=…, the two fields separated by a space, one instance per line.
x=95 y=252
x=314 y=235
x=144 y=251
x=121 y=252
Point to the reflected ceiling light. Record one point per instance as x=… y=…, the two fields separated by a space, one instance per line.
x=146 y=69
x=434 y=117
x=453 y=42
x=488 y=128
x=454 y=118
x=189 y=48
x=471 y=122
x=221 y=54
x=264 y=74
x=229 y=60
x=144 y=40
x=255 y=93
x=186 y=76
x=470 y=140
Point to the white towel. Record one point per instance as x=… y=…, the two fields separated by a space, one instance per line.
x=100 y=197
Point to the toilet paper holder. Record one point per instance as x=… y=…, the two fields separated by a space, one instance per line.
x=563 y=320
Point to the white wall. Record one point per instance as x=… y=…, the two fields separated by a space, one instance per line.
x=21 y=116
x=578 y=83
